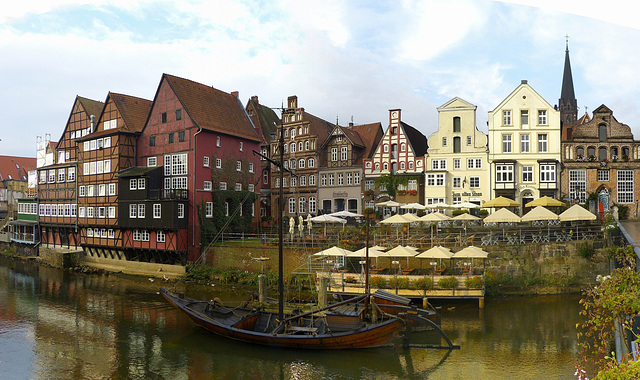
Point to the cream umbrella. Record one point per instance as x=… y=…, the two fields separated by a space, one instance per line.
x=400 y=252
x=413 y=206
x=466 y=217
x=333 y=252
x=466 y=205
x=539 y=213
x=396 y=219
x=500 y=202
x=576 y=212
x=327 y=219
x=471 y=252
x=546 y=202
x=502 y=216
x=388 y=204
x=434 y=217
x=438 y=252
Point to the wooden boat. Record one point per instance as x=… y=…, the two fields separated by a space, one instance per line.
x=344 y=325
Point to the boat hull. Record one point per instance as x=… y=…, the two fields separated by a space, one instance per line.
x=370 y=336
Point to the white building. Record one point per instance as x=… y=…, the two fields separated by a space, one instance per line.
x=524 y=147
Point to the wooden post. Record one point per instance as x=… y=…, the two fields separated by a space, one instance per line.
x=425 y=303
x=481 y=302
x=322 y=292
x=262 y=288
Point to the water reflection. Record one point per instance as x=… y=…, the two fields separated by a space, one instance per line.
x=65 y=325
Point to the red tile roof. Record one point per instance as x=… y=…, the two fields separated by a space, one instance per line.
x=16 y=167
x=212 y=109
x=134 y=111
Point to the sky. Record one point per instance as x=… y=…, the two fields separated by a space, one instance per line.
x=351 y=60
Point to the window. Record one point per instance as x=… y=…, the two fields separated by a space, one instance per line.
x=331 y=179
x=306 y=145
x=385 y=148
x=133 y=184
x=179 y=114
x=439 y=164
x=81 y=212
x=207 y=186
x=43 y=176
x=474 y=182
x=239 y=166
x=625 y=186
x=71 y=174
x=239 y=186
x=527 y=174
x=456 y=163
x=170 y=138
x=524 y=117
x=403 y=147
x=504 y=173
x=294 y=181
x=133 y=211
x=524 y=143
x=444 y=141
x=141 y=183
x=292 y=148
x=218 y=141
x=218 y=163
x=144 y=235
x=340 y=179
x=303 y=181
x=412 y=184
x=312 y=180
x=506 y=117
x=223 y=186
x=312 y=204
x=542 y=117
x=102 y=212
x=292 y=205
x=323 y=180
x=251 y=188
x=251 y=167
x=157 y=210
x=344 y=152
x=457 y=182
x=474 y=163
x=160 y=236
x=111 y=211
x=506 y=143
x=311 y=163
x=602 y=153
x=90 y=232
x=456 y=144
x=301 y=163
x=356 y=178
x=52 y=175
x=205 y=161
x=163 y=117
x=456 y=124
x=102 y=190
x=547 y=173
x=302 y=205
x=602 y=132
x=468 y=140
x=152 y=141
x=152 y=161
x=110 y=233
x=82 y=191
x=208 y=209
x=603 y=175
x=578 y=185
x=180 y=210
x=90 y=190
x=334 y=154
x=435 y=179
x=542 y=143
x=265 y=177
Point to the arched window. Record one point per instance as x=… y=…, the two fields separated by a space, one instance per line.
x=306 y=145
x=292 y=149
x=300 y=146
x=394 y=167
x=602 y=153
x=377 y=167
x=311 y=163
x=456 y=124
x=456 y=144
x=394 y=151
x=403 y=147
x=580 y=152
x=591 y=151
x=385 y=166
x=602 y=132
x=402 y=165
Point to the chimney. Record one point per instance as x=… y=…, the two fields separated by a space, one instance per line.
x=524 y=81
x=351 y=124
x=254 y=98
x=235 y=93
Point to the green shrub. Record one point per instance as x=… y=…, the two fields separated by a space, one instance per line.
x=350 y=280
x=424 y=283
x=475 y=282
x=448 y=282
x=399 y=282
x=585 y=250
x=378 y=282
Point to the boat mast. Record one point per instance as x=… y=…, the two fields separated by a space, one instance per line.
x=280 y=211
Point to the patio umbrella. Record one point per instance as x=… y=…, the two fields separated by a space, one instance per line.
x=471 y=252
x=438 y=205
x=434 y=217
x=502 y=216
x=500 y=202
x=300 y=224
x=373 y=253
x=309 y=223
x=439 y=252
x=292 y=223
x=396 y=219
x=413 y=206
x=345 y=214
x=576 y=212
x=400 y=252
x=411 y=217
x=388 y=204
x=332 y=252
x=546 y=202
x=539 y=213
x=327 y=219
x=465 y=217
x=466 y=205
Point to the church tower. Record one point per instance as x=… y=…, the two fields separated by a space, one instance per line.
x=568 y=105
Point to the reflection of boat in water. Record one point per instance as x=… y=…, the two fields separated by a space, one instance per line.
x=344 y=325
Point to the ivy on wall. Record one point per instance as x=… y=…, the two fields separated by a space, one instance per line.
x=209 y=227
x=391 y=182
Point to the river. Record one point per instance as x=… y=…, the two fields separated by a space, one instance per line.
x=60 y=325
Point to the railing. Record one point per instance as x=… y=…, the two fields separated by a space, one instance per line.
x=169 y=194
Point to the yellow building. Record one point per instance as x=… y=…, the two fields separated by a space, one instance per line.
x=524 y=147
x=457 y=164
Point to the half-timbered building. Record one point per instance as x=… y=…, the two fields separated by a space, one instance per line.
x=57 y=182
x=109 y=149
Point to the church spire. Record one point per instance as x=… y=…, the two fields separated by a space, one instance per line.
x=568 y=104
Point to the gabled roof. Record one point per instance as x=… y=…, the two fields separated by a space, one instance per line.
x=212 y=109
x=16 y=167
x=91 y=107
x=370 y=134
x=134 y=111
x=417 y=140
x=589 y=129
x=263 y=117
x=319 y=127
x=523 y=84
x=457 y=103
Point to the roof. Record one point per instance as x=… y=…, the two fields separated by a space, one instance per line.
x=319 y=127
x=567 y=93
x=417 y=140
x=134 y=111
x=371 y=134
x=16 y=167
x=212 y=109
x=264 y=118
x=137 y=171
x=589 y=129
x=91 y=107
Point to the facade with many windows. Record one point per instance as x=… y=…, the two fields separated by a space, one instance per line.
x=457 y=164
x=524 y=147
x=303 y=136
x=346 y=148
x=600 y=157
